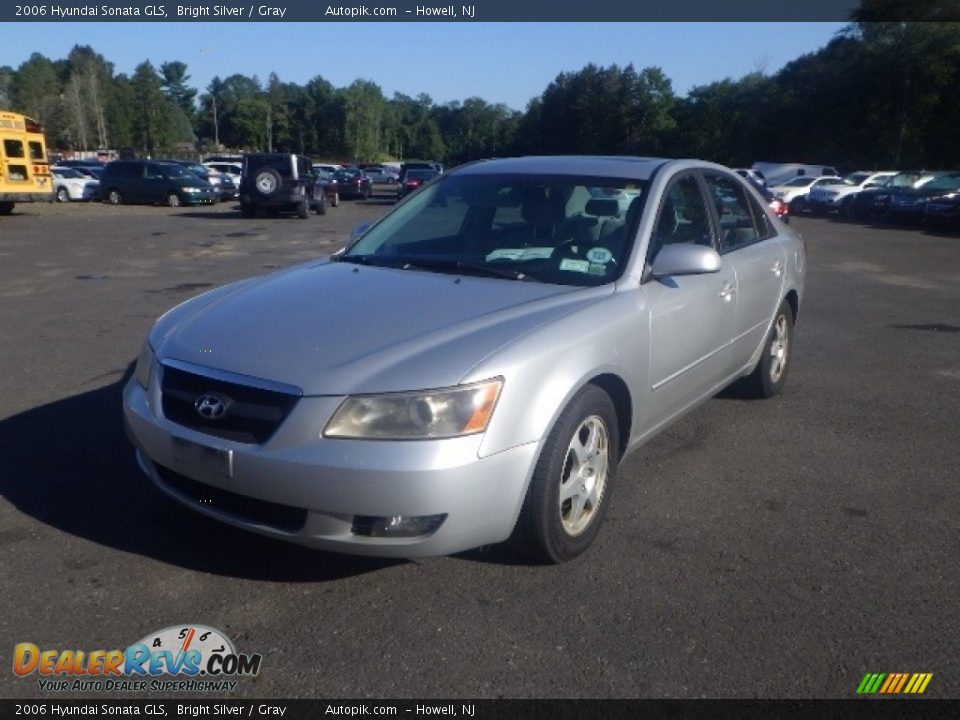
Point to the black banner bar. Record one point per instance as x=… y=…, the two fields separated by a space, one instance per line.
x=872 y=709
x=407 y=11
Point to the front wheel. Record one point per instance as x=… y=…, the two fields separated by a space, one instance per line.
x=797 y=205
x=321 y=204
x=768 y=377
x=571 y=485
x=336 y=200
x=173 y=200
x=303 y=208
x=63 y=195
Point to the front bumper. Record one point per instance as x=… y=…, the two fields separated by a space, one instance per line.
x=331 y=483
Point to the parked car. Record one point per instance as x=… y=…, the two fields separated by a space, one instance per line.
x=353 y=184
x=280 y=181
x=327 y=167
x=221 y=182
x=418 y=165
x=874 y=203
x=231 y=169
x=943 y=210
x=754 y=176
x=154 y=181
x=908 y=204
x=380 y=174
x=330 y=186
x=95 y=165
x=796 y=191
x=838 y=197
x=779 y=206
x=777 y=173
x=412 y=180
x=71 y=184
x=467 y=371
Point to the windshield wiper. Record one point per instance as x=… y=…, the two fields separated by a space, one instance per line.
x=474 y=268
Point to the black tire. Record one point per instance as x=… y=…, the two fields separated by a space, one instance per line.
x=322 y=204
x=303 y=208
x=267 y=182
x=336 y=200
x=173 y=200
x=551 y=529
x=6 y=208
x=114 y=197
x=767 y=379
x=63 y=195
x=247 y=211
x=797 y=205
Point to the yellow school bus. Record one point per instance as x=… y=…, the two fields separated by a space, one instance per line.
x=24 y=170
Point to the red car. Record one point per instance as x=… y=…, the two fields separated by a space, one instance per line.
x=413 y=180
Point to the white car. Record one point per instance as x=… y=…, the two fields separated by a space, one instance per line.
x=839 y=198
x=754 y=176
x=70 y=184
x=795 y=192
x=233 y=170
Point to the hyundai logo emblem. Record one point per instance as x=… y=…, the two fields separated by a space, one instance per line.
x=211 y=407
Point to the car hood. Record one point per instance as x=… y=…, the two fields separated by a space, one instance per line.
x=334 y=328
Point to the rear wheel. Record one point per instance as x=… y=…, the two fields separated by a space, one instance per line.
x=114 y=197
x=768 y=377
x=63 y=195
x=571 y=485
x=303 y=208
x=797 y=205
x=6 y=208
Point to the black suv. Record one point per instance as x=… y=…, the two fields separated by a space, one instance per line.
x=280 y=181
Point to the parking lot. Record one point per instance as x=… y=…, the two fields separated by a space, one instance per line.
x=756 y=549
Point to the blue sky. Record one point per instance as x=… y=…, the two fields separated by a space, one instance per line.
x=499 y=62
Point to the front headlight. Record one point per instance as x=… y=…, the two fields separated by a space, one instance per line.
x=193 y=189
x=424 y=414
x=144 y=365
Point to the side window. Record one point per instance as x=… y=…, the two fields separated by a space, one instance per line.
x=13 y=148
x=683 y=217
x=737 y=226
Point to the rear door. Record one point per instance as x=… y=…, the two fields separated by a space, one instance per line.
x=750 y=245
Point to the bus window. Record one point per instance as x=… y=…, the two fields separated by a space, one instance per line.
x=13 y=148
x=36 y=151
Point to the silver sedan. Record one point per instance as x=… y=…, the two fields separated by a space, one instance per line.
x=474 y=366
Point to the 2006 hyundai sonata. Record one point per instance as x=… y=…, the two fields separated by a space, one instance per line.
x=473 y=366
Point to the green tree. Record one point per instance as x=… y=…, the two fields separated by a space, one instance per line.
x=175 y=87
x=153 y=124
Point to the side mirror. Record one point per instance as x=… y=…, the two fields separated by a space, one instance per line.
x=359 y=230
x=685 y=259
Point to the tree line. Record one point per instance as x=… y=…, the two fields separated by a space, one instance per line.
x=878 y=94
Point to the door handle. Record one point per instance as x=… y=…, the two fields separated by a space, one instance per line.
x=727 y=292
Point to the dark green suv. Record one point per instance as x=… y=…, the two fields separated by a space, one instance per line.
x=280 y=181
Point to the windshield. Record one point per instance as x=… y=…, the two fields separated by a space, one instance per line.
x=564 y=230
x=855 y=178
x=945 y=182
x=67 y=173
x=800 y=182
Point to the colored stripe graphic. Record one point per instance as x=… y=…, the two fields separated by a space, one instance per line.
x=894 y=683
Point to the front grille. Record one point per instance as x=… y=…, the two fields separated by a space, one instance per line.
x=257 y=512
x=252 y=415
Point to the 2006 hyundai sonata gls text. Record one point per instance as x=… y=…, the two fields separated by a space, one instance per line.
x=474 y=365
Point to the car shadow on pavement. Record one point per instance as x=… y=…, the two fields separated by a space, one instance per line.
x=68 y=464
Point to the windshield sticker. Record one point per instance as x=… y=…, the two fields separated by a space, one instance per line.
x=580 y=266
x=599 y=255
x=530 y=253
x=597 y=269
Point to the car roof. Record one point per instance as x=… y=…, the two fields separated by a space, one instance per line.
x=628 y=168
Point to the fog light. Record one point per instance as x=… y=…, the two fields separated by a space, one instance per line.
x=396 y=526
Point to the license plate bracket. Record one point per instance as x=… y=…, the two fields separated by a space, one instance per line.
x=189 y=455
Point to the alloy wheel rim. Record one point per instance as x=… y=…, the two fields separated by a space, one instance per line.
x=583 y=478
x=778 y=348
